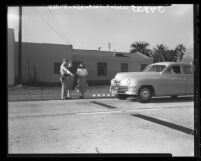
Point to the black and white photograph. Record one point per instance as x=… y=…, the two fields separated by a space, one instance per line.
x=101 y=79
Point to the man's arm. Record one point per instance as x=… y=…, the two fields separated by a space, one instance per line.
x=67 y=71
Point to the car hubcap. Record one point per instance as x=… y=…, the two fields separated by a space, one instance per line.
x=145 y=94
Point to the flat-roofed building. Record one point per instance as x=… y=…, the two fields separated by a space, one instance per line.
x=102 y=66
x=41 y=62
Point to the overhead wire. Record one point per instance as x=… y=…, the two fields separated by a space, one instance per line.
x=54 y=21
x=57 y=23
x=58 y=34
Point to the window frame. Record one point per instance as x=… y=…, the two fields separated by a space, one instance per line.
x=55 y=70
x=167 y=71
x=122 y=66
x=99 y=64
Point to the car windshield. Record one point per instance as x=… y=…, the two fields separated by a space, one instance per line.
x=154 y=68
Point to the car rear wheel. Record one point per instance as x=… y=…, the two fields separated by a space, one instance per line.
x=144 y=95
x=122 y=96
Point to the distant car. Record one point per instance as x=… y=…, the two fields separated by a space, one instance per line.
x=158 y=79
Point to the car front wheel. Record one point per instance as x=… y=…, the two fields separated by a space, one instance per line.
x=144 y=95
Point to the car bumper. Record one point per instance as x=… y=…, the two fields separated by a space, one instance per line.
x=127 y=90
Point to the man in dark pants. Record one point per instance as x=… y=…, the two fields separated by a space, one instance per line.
x=73 y=70
x=74 y=82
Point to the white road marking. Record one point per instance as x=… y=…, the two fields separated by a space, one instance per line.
x=99 y=112
x=102 y=95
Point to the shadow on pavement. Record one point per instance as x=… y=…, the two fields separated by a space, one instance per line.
x=164 y=123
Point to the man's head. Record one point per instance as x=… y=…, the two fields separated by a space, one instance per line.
x=81 y=65
x=64 y=60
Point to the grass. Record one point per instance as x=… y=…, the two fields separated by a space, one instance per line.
x=25 y=93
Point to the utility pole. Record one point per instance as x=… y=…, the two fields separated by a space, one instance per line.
x=109 y=46
x=20 y=48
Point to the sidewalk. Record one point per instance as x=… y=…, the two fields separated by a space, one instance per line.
x=52 y=93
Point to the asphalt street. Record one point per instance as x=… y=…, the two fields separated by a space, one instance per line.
x=102 y=125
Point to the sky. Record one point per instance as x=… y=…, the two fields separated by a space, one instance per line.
x=92 y=27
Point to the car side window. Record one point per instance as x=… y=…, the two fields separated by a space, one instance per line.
x=175 y=69
x=187 y=69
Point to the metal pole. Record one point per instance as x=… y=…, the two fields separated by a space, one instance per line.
x=109 y=45
x=20 y=48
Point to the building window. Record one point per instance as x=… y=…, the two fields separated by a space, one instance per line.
x=124 y=67
x=143 y=66
x=57 y=68
x=102 y=69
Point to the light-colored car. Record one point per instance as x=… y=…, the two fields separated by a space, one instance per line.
x=158 y=79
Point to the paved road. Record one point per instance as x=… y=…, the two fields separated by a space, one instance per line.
x=102 y=126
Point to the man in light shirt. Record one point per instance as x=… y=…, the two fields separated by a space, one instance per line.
x=65 y=74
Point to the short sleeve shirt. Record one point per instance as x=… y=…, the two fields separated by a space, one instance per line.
x=82 y=72
x=63 y=69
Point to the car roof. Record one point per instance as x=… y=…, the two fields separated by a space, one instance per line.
x=171 y=63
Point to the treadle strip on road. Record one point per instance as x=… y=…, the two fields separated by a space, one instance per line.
x=102 y=104
x=164 y=123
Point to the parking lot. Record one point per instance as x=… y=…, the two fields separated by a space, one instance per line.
x=102 y=125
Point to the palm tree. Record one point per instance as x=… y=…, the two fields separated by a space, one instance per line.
x=160 y=53
x=142 y=47
x=180 y=49
x=172 y=55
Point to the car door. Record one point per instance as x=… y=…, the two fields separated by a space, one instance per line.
x=174 y=81
x=187 y=71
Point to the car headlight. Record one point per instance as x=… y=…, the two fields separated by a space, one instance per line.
x=131 y=82
x=128 y=82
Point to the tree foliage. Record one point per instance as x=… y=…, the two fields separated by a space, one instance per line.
x=180 y=49
x=160 y=52
x=141 y=47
